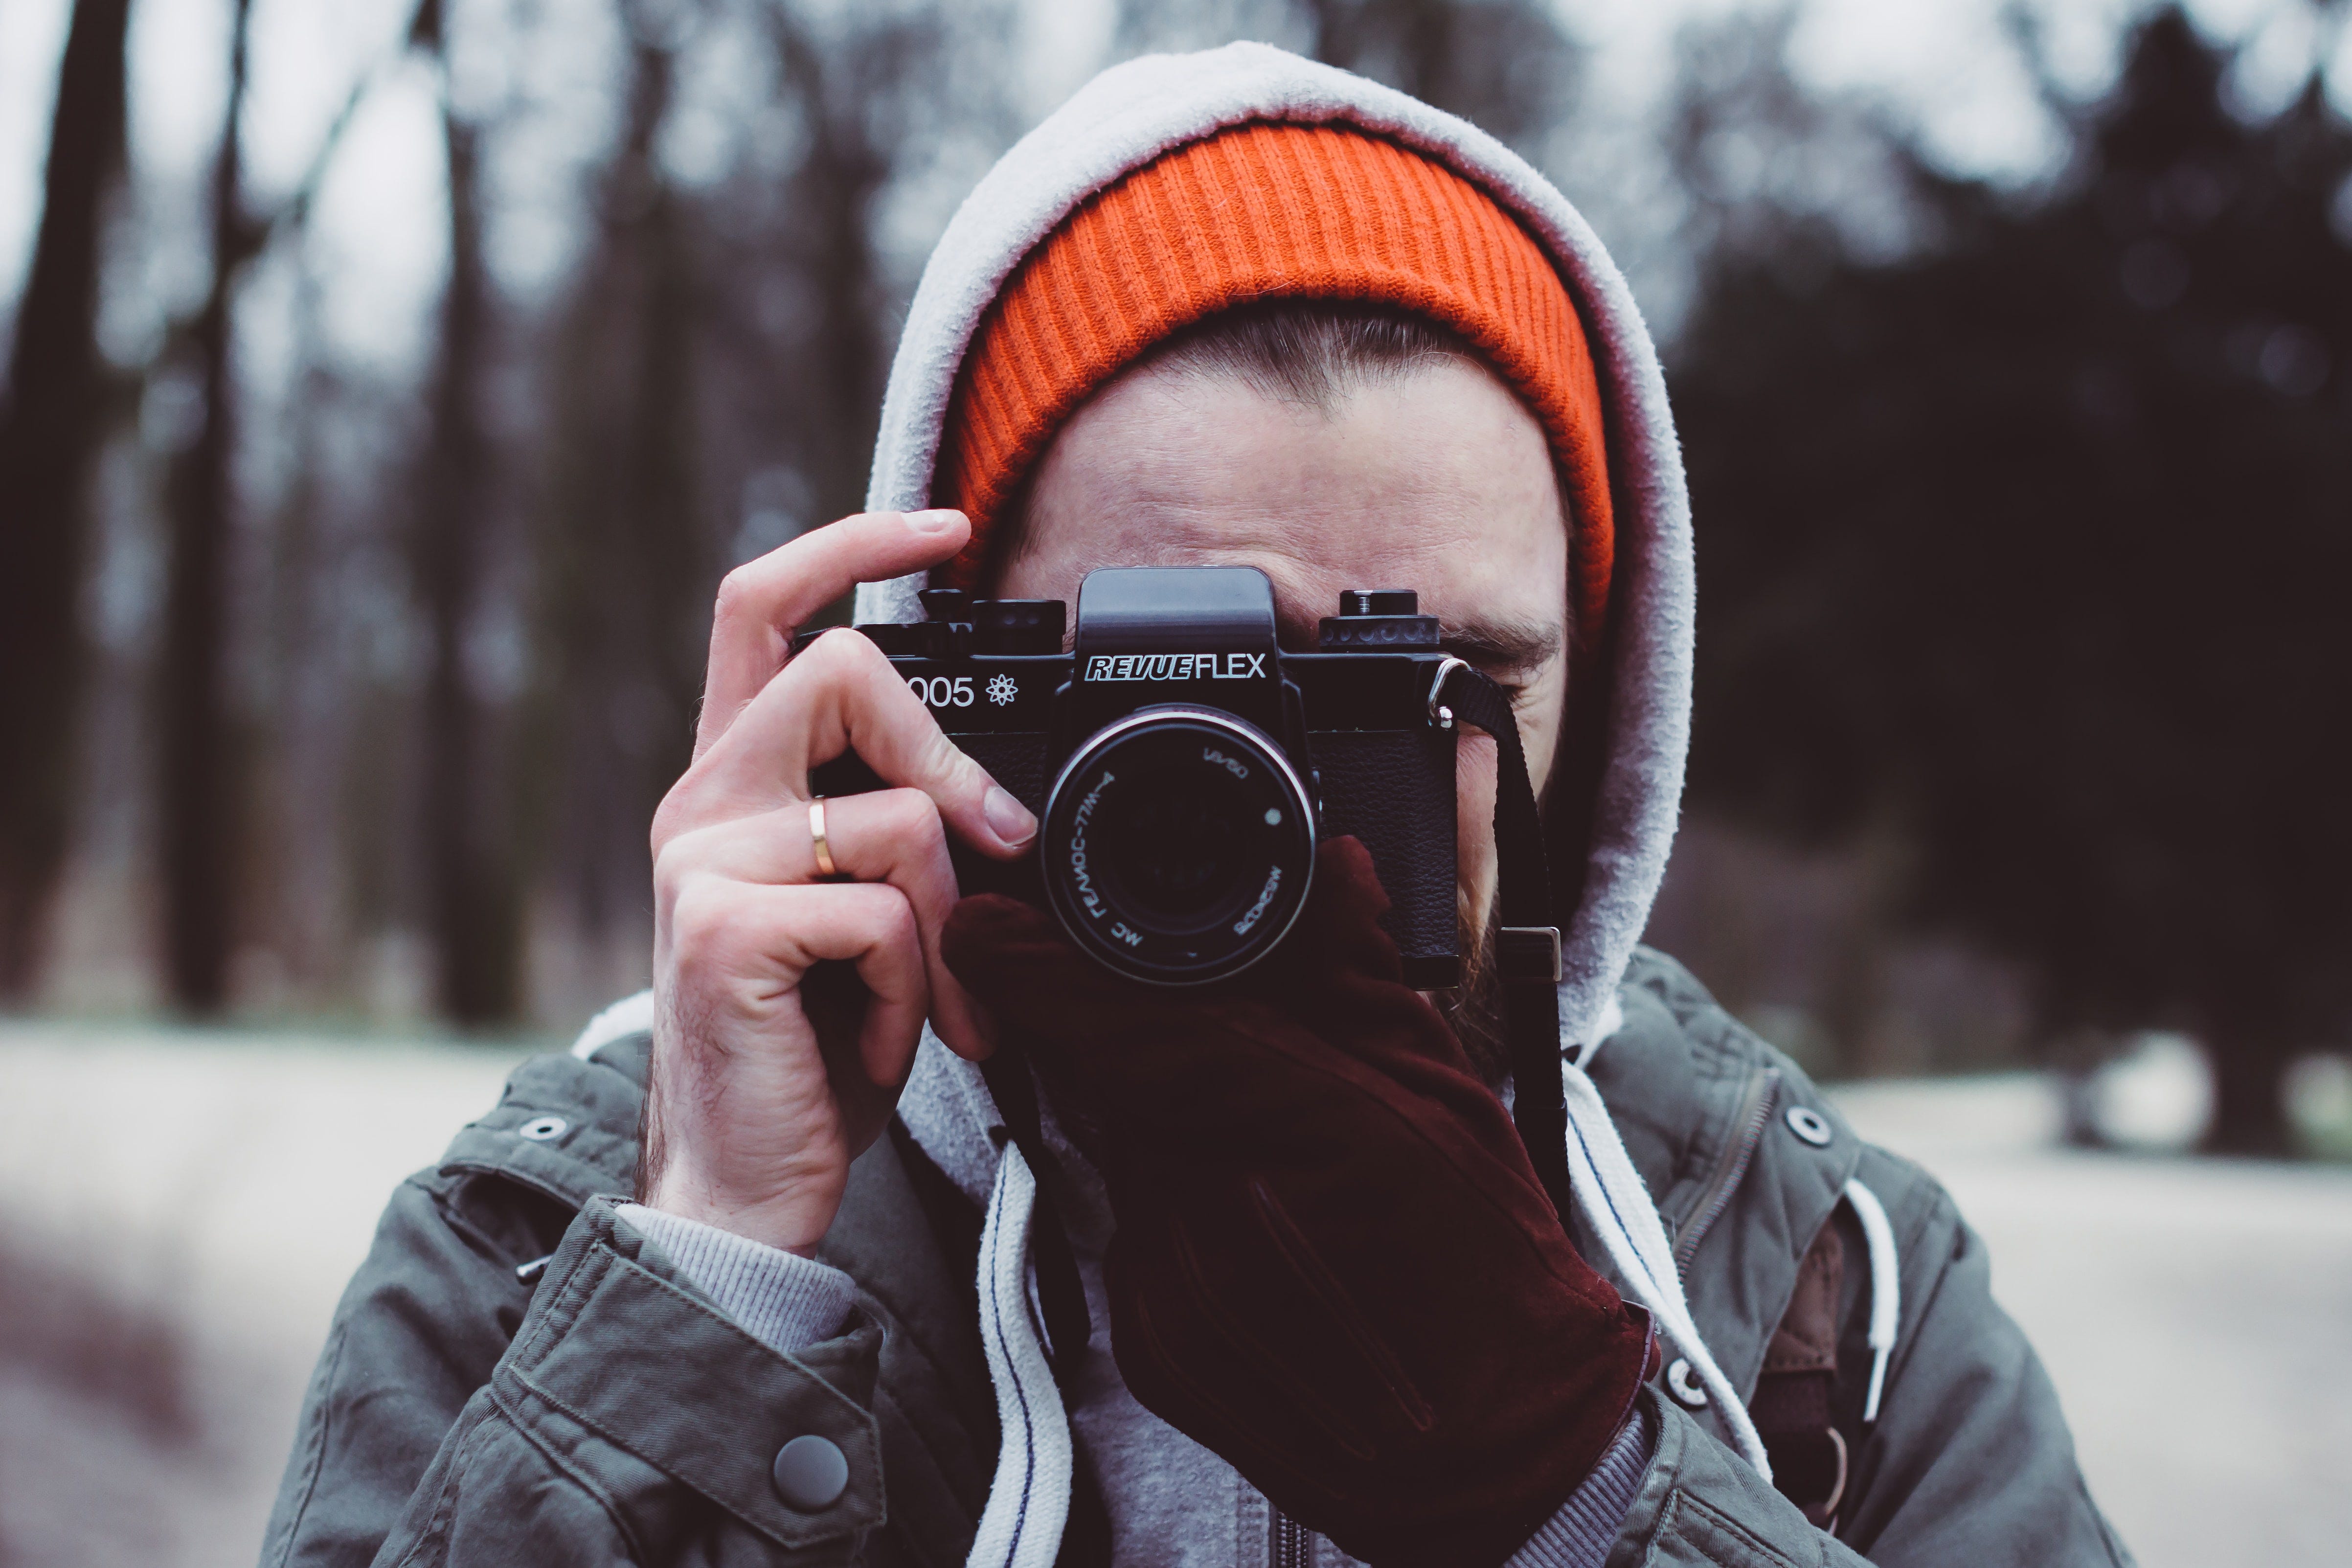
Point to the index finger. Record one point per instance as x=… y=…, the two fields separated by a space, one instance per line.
x=764 y=602
x=842 y=695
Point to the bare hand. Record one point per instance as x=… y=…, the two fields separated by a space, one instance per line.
x=761 y=1094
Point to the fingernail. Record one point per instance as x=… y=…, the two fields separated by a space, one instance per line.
x=1008 y=818
x=938 y=519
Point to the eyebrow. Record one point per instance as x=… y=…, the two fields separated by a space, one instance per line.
x=1517 y=646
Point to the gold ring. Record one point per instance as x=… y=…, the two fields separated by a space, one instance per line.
x=825 y=866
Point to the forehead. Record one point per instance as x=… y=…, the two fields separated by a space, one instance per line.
x=1437 y=479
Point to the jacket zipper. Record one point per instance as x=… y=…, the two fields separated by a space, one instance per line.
x=1755 y=1110
x=1292 y=1549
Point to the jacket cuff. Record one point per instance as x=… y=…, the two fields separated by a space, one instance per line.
x=786 y=1302
x=1581 y=1535
x=635 y=1378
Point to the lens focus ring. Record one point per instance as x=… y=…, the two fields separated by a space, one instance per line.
x=1178 y=845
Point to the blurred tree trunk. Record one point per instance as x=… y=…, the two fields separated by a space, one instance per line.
x=2249 y=1110
x=664 y=549
x=1504 y=65
x=197 y=797
x=51 y=418
x=2247 y=1046
x=845 y=165
x=472 y=901
x=623 y=562
x=294 y=783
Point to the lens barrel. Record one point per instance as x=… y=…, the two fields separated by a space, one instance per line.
x=1178 y=845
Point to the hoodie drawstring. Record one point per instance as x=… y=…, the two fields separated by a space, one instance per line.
x=1029 y=1498
x=1885 y=1287
x=1616 y=1204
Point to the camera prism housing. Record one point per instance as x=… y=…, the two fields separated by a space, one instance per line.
x=1183 y=767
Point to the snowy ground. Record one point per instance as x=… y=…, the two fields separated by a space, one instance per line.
x=214 y=1189
x=224 y=1185
x=2195 y=1314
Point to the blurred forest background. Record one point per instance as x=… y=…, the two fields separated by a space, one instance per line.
x=348 y=636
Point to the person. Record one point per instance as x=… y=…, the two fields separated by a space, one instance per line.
x=771 y=1268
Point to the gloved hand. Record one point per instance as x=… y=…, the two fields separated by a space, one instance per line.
x=1334 y=1265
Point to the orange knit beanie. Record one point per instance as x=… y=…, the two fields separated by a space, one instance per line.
x=1258 y=212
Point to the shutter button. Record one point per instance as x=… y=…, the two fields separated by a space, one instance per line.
x=810 y=1474
x=1680 y=1383
x=1809 y=1125
x=542 y=1129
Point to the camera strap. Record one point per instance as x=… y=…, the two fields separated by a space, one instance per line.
x=1527 y=945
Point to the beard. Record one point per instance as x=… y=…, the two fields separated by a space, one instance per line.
x=1474 y=1009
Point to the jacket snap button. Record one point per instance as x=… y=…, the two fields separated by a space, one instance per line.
x=810 y=1474
x=541 y=1129
x=1809 y=1125
x=1683 y=1386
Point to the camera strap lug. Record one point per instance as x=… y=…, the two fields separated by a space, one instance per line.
x=1441 y=716
x=1528 y=953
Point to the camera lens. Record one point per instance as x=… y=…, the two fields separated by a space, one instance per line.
x=1172 y=851
x=1178 y=845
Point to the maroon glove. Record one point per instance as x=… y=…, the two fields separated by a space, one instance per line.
x=1334 y=1265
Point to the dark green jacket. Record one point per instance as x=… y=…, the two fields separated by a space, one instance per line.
x=472 y=1410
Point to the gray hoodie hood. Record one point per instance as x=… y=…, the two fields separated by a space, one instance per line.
x=1131 y=114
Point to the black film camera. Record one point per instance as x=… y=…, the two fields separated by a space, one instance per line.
x=1184 y=767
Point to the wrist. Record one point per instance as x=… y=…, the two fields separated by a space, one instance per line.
x=790 y=1220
